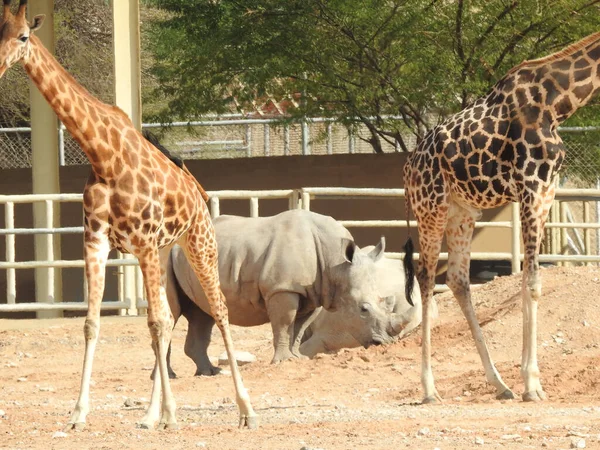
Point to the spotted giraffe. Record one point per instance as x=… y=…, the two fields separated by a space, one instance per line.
x=137 y=201
x=503 y=148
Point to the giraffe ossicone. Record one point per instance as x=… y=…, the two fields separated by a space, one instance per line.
x=503 y=148
x=137 y=201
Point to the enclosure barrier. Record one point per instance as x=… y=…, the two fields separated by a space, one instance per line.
x=130 y=292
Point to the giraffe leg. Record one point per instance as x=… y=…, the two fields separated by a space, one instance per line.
x=201 y=251
x=533 y=230
x=430 y=243
x=160 y=324
x=459 y=232
x=95 y=255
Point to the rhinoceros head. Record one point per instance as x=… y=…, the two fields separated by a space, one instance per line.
x=367 y=312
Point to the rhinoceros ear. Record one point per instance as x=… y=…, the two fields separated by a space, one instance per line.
x=349 y=249
x=377 y=253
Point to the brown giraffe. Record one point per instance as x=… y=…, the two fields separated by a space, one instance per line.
x=503 y=148
x=137 y=201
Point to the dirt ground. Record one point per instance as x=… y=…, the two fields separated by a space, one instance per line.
x=359 y=398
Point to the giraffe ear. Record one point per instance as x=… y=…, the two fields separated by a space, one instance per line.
x=37 y=22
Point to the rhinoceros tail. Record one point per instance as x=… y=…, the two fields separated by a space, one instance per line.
x=409 y=268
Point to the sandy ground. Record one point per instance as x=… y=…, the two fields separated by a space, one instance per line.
x=359 y=398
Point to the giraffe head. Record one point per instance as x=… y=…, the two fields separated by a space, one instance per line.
x=14 y=34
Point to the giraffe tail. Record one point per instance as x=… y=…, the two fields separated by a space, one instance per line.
x=409 y=268
x=198 y=185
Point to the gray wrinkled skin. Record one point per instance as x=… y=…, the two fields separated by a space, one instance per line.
x=284 y=270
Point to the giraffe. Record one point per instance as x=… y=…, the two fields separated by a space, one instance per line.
x=503 y=148
x=136 y=201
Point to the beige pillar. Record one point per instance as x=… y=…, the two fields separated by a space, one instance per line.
x=126 y=48
x=45 y=165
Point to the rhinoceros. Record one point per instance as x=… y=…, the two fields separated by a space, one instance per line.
x=281 y=269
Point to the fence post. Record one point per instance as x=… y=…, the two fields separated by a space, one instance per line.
x=253 y=207
x=248 y=140
x=306 y=201
x=286 y=139
x=329 y=138
x=61 y=144
x=293 y=200
x=11 y=278
x=305 y=138
x=564 y=232
x=515 y=239
x=351 y=142
x=267 y=137
x=587 y=238
x=214 y=207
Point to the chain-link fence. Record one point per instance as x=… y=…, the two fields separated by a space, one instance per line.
x=235 y=137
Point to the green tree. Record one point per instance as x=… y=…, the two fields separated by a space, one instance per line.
x=420 y=60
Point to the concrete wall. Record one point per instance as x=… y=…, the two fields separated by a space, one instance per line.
x=381 y=171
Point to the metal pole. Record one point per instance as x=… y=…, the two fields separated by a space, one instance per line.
x=253 y=207
x=286 y=139
x=564 y=232
x=267 y=139
x=11 y=276
x=587 y=237
x=515 y=239
x=61 y=144
x=214 y=207
x=305 y=138
x=50 y=293
x=248 y=141
x=351 y=149
x=306 y=201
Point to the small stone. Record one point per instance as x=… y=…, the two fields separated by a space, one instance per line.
x=586 y=323
x=129 y=402
x=2 y=413
x=47 y=389
x=423 y=431
x=365 y=358
x=544 y=444
x=527 y=428
x=201 y=444
x=577 y=442
x=59 y=434
x=511 y=437
x=22 y=379
x=242 y=358
x=479 y=441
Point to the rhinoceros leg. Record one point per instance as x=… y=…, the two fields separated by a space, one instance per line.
x=282 y=308
x=198 y=338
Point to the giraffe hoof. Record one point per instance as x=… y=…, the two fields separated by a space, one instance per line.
x=250 y=422
x=168 y=426
x=506 y=395
x=144 y=425
x=431 y=400
x=534 y=396
x=77 y=426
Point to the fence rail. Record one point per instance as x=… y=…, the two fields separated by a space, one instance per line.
x=130 y=294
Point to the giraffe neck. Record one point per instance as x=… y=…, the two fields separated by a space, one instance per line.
x=562 y=82
x=80 y=112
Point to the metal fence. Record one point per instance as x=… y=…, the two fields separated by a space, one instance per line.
x=234 y=136
x=130 y=295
